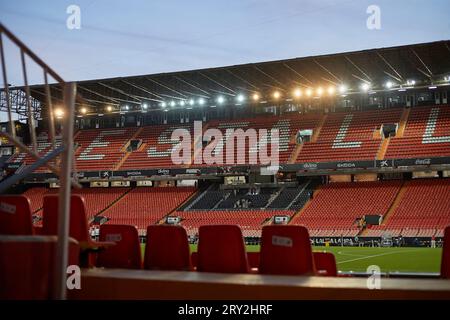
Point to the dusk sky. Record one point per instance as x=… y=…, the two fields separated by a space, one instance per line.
x=121 y=38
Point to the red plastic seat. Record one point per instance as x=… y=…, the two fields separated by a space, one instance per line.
x=167 y=248
x=286 y=250
x=126 y=253
x=15 y=215
x=78 y=222
x=27 y=264
x=325 y=264
x=445 y=261
x=221 y=249
x=78 y=226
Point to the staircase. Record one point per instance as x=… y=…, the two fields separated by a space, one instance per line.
x=396 y=202
x=316 y=134
x=163 y=219
x=299 y=194
x=403 y=121
x=383 y=148
x=273 y=197
x=112 y=203
x=189 y=206
x=307 y=204
x=124 y=148
x=393 y=206
x=295 y=153
x=197 y=153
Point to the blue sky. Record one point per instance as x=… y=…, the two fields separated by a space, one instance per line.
x=120 y=38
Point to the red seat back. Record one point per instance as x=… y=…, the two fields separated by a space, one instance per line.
x=167 y=248
x=325 y=264
x=126 y=253
x=286 y=249
x=221 y=249
x=27 y=264
x=15 y=215
x=78 y=221
x=445 y=261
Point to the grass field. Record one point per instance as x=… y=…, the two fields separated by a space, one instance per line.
x=357 y=259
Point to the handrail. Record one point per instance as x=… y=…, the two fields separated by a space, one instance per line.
x=66 y=149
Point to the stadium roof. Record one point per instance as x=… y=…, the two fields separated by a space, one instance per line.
x=425 y=63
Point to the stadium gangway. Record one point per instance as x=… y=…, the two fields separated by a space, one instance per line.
x=64 y=152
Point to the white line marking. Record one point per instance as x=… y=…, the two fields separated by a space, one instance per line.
x=375 y=255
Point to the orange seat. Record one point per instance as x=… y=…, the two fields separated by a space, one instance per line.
x=126 y=253
x=27 y=264
x=15 y=215
x=325 y=264
x=286 y=250
x=167 y=248
x=221 y=249
x=445 y=261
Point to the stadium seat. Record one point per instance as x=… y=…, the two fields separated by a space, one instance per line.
x=221 y=249
x=167 y=248
x=126 y=253
x=325 y=264
x=15 y=215
x=78 y=226
x=78 y=222
x=286 y=250
x=445 y=261
x=27 y=264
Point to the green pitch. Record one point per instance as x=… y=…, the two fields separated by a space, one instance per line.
x=357 y=259
x=388 y=259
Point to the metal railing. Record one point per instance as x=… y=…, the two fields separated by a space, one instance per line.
x=64 y=153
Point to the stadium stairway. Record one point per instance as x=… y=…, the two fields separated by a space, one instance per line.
x=182 y=205
x=124 y=149
x=298 y=148
x=392 y=208
x=319 y=129
x=396 y=202
x=114 y=202
x=195 y=154
x=383 y=148
x=403 y=121
x=306 y=205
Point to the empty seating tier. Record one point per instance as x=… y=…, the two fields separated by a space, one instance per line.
x=156 y=148
x=423 y=211
x=336 y=208
x=427 y=134
x=101 y=149
x=145 y=206
x=349 y=136
x=287 y=127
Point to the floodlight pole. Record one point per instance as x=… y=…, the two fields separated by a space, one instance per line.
x=64 y=193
